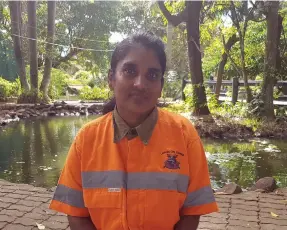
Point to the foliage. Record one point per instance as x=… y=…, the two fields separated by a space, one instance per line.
x=172 y=85
x=89 y=25
x=188 y=91
x=191 y=98
x=31 y=96
x=58 y=84
x=83 y=76
x=95 y=93
x=9 y=89
x=180 y=107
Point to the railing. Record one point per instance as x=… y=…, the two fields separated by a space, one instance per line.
x=236 y=84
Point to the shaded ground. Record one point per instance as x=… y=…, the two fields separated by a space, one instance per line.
x=223 y=128
x=22 y=206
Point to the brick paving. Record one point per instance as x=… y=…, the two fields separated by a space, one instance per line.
x=22 y=206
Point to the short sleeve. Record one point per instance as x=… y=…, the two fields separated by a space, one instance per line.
x=68 y=196
x=200 y=198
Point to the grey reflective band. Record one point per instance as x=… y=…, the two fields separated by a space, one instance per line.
x=158 y=181
x=199 y=197
x=136 y=180
x=69 y=196
x=103 y=179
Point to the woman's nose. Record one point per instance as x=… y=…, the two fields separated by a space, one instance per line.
x=140 y=82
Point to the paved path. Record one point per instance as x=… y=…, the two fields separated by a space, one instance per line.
x=22 y=206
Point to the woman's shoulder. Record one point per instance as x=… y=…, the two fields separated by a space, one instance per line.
x=178 y=121
x=97 y=123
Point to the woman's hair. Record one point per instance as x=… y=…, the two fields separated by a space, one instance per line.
x=147 y=40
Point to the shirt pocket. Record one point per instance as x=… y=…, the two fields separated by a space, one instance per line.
x=162 y=209
x=95 y=199
x=105 y=208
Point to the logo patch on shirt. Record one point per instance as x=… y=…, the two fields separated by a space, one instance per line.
x=172 y=162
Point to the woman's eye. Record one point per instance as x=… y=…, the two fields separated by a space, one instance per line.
x=129 y=71
x=154 y=76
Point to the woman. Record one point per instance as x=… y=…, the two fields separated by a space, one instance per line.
x=136 y=167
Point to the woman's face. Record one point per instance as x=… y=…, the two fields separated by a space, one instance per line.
x=137 y=83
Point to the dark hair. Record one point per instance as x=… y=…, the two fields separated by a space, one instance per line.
x=146 y=39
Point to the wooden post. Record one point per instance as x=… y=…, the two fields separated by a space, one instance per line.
x=183 y=84
x=67 y=95
x=235 y=87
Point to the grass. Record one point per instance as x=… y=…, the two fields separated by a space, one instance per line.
x=179 y=107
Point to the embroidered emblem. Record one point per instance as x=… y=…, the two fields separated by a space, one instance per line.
x=171 y=162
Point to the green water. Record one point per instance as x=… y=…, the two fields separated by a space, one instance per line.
x=34 y=152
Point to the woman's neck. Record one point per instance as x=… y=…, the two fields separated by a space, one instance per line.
x=132 y=119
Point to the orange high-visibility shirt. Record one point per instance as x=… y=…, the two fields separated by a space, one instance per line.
x=130 y=185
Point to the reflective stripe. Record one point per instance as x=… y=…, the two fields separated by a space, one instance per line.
x=69 y=196
x=136 y=180
x=199 y=197
x=103 y=179
x=158 y=181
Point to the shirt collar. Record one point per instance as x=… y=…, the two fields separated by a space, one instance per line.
x=144 y=130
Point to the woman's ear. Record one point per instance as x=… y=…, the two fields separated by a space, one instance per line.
x=111 y=79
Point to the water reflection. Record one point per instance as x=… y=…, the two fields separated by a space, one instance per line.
x=34 y=152
x=244 y=163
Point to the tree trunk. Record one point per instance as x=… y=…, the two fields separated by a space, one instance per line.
x=270 y=59
x=194 y=54
x=33 y=55
x=244 y=72
x=219 y=75
x=49 y=49
x=15 y=22
x=280 y=29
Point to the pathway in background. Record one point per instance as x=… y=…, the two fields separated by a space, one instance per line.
x=22 y=206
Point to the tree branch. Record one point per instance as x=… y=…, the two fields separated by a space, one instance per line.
x=234 y=17
x=175 y=20
x=205 y=13
x=229 y=56
x=66 y=58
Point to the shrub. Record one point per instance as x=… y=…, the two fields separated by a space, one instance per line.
x=95 y=93
x=9 y=89
x=83 y=76
x=189 y=97
x=58 y=84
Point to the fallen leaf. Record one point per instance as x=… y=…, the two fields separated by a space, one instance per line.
x=40 y=226
x=273 y=214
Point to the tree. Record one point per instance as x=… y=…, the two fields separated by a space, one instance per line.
x=238 y=16
x=14 y=7
x=82 y=27
x=194 y=54
x=219 y=75
x=49 y=49
x=33 y=54
x=191 y=15
x=270 y=58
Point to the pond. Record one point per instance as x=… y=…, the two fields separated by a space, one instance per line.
x=34 y=152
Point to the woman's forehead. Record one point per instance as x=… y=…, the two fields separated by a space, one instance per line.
x=140 y=55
